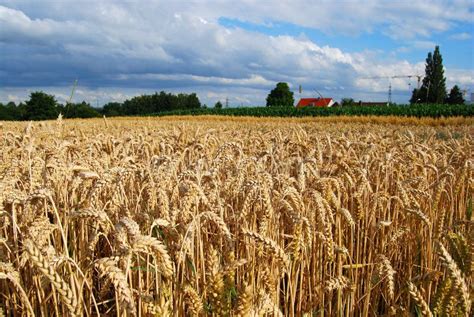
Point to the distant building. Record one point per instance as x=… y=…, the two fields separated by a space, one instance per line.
x=315 y=102
x=372 y=104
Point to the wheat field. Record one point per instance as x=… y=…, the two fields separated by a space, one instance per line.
x=236 y=217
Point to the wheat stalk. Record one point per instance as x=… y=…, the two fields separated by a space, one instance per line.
x=108 y=267
x=65 y=292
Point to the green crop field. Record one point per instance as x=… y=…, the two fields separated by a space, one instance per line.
x=422 y=110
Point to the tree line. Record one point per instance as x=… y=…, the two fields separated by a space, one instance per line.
x=42 y=106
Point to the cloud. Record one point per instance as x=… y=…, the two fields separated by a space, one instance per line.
x=424 y=45
x=397 y=19
x=461 y=36
x=18 y=28
x=121 y=49
x=417 y=45
x=461 y=77
x=253 y=80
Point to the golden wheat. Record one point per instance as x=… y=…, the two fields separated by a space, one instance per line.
x=214 y=216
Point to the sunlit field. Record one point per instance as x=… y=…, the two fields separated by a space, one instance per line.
x=219 y=216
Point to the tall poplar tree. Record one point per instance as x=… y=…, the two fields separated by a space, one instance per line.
x=433 y=89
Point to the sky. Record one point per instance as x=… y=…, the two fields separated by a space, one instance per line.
x=230 y=50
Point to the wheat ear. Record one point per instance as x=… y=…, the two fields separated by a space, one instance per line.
x=108 y=267
x=65 y=292
x=415 y=293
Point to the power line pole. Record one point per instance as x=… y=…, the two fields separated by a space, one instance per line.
x=418 y=77
x=389 y=93
x=227 y=102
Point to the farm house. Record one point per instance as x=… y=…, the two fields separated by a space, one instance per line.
x=315 y=102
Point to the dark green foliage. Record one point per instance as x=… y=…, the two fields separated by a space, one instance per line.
x=148 y=104
x=80 y=110
x=218 y=105
x=4 y=113
x=167 y=104
x=418 y=95
x=189 y=101
x=112 y=109
x=138 y=105
x=455 y=96
x=433 y=89
x=419 y=110
x=437 y=89
x=10 y=111
x=347 y=102
x=280 y=96
x=41 y=106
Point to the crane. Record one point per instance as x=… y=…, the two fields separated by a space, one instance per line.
x=418 y=77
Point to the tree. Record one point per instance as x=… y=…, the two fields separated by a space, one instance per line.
x=433 y=89
x=80 y=110
x=10 y=111
x=139 y=105
x=280 y=96
x=4 y=113
x=41 y=106
x=192 y=101
x=455 y=96
x=218 y=105
x=165 y=102
x=112 y=109
x=418 y=95
x=347 y=102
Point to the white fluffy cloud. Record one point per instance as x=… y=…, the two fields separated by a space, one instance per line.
x=119 y=49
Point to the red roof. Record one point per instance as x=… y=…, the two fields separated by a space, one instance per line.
x=314 y=102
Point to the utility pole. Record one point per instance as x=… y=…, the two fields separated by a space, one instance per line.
x=389 y=93
x=418 y=78
x=227 y=102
